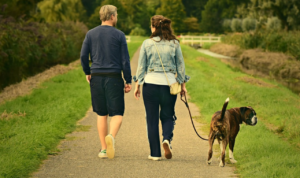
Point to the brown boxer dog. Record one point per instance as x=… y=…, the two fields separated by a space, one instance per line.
x=225 y=126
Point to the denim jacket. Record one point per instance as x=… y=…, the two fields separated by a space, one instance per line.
x=171 y=56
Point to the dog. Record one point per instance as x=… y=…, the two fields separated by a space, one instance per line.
x=225 y=126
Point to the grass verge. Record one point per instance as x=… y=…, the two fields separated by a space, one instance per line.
x=32 y=126
x=260 y=151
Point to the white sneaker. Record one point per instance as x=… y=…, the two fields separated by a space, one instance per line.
x=102 y=154
x=110 y=143
x=168 y=149
x=154 y=158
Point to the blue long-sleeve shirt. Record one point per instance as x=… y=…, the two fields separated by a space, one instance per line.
x=108 y=50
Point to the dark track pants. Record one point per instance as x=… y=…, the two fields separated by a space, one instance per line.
x=156 y=96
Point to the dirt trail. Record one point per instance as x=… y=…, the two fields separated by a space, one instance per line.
x=78 y=157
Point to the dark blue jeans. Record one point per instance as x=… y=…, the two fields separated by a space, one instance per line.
x=155 y=97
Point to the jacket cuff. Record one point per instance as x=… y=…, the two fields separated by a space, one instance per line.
x=134 y=78
x=186 y=78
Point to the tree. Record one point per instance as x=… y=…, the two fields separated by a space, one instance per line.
x=193 y=8
x=174 y=10
x=90 y=5
x=18 y=8
x=211 y=17
x=61 y=10
x=191 y=24
x=287 y=11
x=216 y=11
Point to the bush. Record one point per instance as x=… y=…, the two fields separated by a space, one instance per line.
x=282 y=41
x=236 y=25
x=248 y=24
x=27 y=48
x=227 y=25
x=273 y=24
x=138 y=31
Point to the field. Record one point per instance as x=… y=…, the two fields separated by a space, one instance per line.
x=271 y=147
x=32 y=126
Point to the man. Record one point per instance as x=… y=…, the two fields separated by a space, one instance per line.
x=108 y=50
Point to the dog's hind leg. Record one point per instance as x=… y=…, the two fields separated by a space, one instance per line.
x=231 y=146
x=223 y=145
x=211 y=140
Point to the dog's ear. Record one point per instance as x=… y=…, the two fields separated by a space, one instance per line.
x=243 y=110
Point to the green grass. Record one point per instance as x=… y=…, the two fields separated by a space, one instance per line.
x=134 y=44
x=207 y=45
x=259 y=151
x=52 y=111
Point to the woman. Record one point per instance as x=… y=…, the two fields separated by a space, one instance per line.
x=156 y=90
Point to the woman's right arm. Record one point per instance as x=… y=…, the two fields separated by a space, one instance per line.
x=140 y=72
x=142 y=66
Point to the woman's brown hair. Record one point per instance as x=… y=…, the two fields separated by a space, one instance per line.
x=162 y=28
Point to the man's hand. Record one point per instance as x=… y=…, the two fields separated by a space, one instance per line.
x=88 y=78
x=127 y=88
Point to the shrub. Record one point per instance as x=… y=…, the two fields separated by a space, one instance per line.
x=236 y=25
x=248 y=24
x=227 y=25
x=27 y=48
x=274 y=24
x=138 y=31
x=282 y=41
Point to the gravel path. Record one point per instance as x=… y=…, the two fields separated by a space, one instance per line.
x=78 y=157
x=208 y=52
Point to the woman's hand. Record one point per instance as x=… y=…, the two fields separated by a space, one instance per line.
x=183 y=89
x=137 y=91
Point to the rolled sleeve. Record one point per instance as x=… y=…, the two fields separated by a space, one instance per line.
x=142 y=66
x=180 y=67
x=84 y=56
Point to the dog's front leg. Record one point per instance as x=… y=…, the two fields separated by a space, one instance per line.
x=223 y=145
x=211 y=140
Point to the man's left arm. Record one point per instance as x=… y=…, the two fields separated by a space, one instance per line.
x=126 y=63
x=84 y=57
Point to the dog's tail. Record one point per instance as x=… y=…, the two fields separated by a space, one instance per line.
x=224 y=109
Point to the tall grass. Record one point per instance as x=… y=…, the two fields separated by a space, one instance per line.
x=259 y=151
x=51 y=112
x=276 y=41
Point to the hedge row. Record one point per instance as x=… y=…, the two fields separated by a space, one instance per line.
x=286 y=42
x=27 y=48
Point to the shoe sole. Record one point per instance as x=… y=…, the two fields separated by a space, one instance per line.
x=168 y=153
x=102 y=157
x=154 y=159
x=110 y=151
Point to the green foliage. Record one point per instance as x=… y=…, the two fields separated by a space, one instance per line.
x=259 y=151
x=286 y=42
x=51 y=112
x=248 y=24
x=174 y=10
x=138 y=31
x=193 y=8
x=211 y=17
x=236 y=25
x=216 y=11
x=273 y=24
x=61 y=10
x=288 y=11
x=27 y=48
x=191 y=24
x=227 y=25
x=18 y=8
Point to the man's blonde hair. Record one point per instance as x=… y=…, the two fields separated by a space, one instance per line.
x=106 y=11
